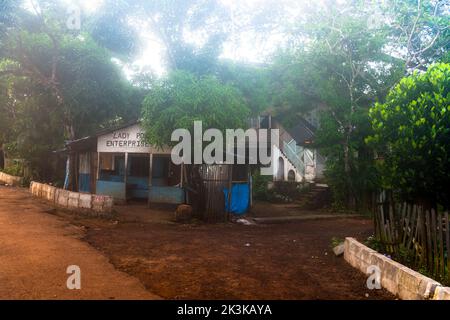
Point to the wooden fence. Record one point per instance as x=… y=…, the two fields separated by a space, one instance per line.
x=414 y=234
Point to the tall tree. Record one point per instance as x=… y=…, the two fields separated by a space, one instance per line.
x=57 y=84
x=170 y=22
x=252 y=80
x=192 y=32
x=182 y=98
x=420 y=30
x=77 y=72
x=345 y=57
x=341 y=69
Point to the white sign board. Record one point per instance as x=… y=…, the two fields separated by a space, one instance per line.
x=129 y=139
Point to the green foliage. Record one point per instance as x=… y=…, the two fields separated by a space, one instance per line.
x=412 y=134
x=335 y=241
x=7 y=10
x=169 y=20
x=375 y=244
x=339 y=73
x=340 y=65
x=182 y=98
x=252 y=81
x=280 y=192
x=363 y=178
x=333 y=63
x=14 y=170
x=36 y=130
x=288 y=191
x=110 y=29
x=94 y=88
x=260 y=186
x=56 y=85
x=419 y=31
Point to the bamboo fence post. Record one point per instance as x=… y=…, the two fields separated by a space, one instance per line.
x=429 y=245
x=441 y=245
x=447 y=241
x=434 y=241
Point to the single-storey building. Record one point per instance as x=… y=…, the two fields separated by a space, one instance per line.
x=120 y=163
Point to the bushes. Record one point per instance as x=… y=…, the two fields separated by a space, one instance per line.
x=14 y=170
x=286 y=191
x=412 y=136
x=260 y=186
x=181 y=98
x=281 y=191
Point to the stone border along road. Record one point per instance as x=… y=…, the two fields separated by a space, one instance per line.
x=404 y=282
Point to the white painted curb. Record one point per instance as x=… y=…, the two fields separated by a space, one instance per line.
x=11 y=180
x=399 y=280
x=97 y=204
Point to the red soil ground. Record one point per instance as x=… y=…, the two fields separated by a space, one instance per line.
x=225 y=261
x=228 y=261
x=36 y=248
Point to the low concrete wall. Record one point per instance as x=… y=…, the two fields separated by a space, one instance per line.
x=11 y=180
x=99 y=205
x=401 y=281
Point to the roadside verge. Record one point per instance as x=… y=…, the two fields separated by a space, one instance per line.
x=401 y=281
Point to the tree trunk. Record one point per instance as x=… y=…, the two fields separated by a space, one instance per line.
x=352 y=199
x=70 y=131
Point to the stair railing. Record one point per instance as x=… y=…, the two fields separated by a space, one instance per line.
x=294 y=158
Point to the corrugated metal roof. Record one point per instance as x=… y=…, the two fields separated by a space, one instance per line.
x=90 y=142
x=303 y=132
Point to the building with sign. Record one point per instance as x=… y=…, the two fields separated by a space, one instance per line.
x=119 y=163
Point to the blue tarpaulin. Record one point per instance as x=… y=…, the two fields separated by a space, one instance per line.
x=240 y=198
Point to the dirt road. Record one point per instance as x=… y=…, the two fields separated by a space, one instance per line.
x=36 y=248
x=194 y=261
x=227 y=261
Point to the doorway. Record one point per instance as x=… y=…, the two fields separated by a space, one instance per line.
x=138 y=176
x=280 y=171
x=164 y=172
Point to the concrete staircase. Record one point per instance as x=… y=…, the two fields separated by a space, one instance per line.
x=317 y=197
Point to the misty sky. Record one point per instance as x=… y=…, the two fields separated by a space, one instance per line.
x=244 y=45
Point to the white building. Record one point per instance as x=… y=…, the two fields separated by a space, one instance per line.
x=294 y=159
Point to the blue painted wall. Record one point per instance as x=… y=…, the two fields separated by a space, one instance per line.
x=137 y=187
x=110 y=188
x=109 y=177
x=173 y=195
